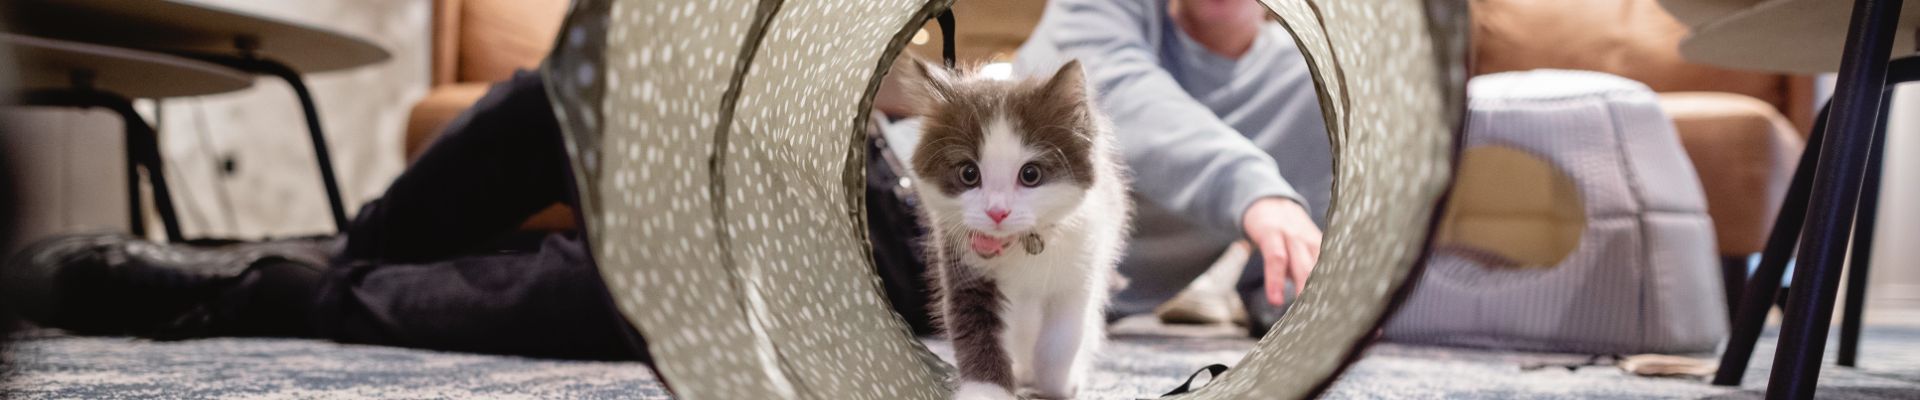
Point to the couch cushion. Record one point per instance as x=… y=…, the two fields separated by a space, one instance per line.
x=499 y=36
x=1745 y=153
x=433 y=112
x=1636 y=39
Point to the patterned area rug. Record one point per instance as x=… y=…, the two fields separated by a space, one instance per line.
x=1141 y=361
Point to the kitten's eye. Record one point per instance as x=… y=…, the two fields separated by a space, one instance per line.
x=1030 y=175
x=970 y=174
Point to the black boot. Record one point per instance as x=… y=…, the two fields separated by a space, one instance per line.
x=118 y=285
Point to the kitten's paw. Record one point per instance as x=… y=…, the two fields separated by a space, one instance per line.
x=981 y=391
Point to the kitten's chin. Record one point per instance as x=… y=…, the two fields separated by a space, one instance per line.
x=987 y=246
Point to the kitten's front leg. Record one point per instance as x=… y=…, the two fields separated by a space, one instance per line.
x=1024 y=318
x=1063 y=341
x=972 y=308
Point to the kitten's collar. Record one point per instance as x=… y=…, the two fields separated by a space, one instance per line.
x=1033 y=242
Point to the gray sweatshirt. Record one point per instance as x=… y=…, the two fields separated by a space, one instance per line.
x=1201 y=133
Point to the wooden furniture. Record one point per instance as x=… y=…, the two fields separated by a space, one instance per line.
x=238 y=40
x=71 y=74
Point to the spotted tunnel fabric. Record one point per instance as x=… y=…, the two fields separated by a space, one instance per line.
x=794 y=185
x=1389 y=90
x=718 y=164
x=717 y=157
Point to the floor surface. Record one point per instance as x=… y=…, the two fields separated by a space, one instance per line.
x=1142 y=361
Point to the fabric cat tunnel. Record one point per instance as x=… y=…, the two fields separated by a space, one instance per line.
x=718 y=153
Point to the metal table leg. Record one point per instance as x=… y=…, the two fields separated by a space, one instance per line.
x=1803 y=334
x=1733 y=279
x=1757 y=299
x=321 y=154
x=1903 y=70
x=1860 y=262
x=143 y=152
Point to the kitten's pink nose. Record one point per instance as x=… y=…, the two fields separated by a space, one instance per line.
x=998 y=214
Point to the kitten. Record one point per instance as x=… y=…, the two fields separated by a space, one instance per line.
x=1027 y=214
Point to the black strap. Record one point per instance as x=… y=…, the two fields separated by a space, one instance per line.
x=946 y=36
x=1213 y=372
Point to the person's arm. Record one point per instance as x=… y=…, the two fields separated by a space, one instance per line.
x=1182 y=156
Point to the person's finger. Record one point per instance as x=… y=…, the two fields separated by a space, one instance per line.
x=1301 y=263
x=1274 y=254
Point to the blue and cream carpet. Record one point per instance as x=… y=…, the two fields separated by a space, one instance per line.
x=1142 y=361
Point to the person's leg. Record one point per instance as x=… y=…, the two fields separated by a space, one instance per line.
x=437 y=263
x=894 y=229
x=498 y=163
x=549 y=301
x=113 y=284
x=1162 y=261
x=422 y=267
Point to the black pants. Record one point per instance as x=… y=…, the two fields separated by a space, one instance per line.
x=437 y=262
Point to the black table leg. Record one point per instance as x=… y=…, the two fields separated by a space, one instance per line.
x=1903 y=70
x=1803 y=334
x=136 y=214
x=321 y=154
x=1860 y=262
x=143 y=153
x=1733 y=279
x=1763 y=286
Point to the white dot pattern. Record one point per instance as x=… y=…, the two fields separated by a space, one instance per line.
x=768 y=292
x=1385 y=91
x=795 y=180
x=667 y=66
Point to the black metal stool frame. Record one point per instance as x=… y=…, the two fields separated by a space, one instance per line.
x=142 y=148
x=249 y=61
x=1833 y=193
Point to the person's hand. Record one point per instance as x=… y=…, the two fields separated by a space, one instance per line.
x=1288 y=241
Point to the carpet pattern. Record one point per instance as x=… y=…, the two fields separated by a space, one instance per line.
x=1138 y=363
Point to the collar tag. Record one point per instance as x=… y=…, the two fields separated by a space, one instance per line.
x=1033 y=243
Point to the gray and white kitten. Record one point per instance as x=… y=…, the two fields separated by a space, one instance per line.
x=1026 y=207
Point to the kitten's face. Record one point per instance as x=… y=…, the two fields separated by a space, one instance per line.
x=1000 y=159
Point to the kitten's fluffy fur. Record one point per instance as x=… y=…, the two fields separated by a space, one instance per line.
x=998 y=161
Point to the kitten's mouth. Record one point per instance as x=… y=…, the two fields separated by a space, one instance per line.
x=988 y=246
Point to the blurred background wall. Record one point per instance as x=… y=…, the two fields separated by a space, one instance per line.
x=240 y=163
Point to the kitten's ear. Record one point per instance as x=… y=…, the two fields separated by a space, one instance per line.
x=936 y=81
x=1070 y=82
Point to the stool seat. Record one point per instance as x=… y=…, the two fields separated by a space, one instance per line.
x=52 y=64
x=1793 y=36
x=177 y=26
